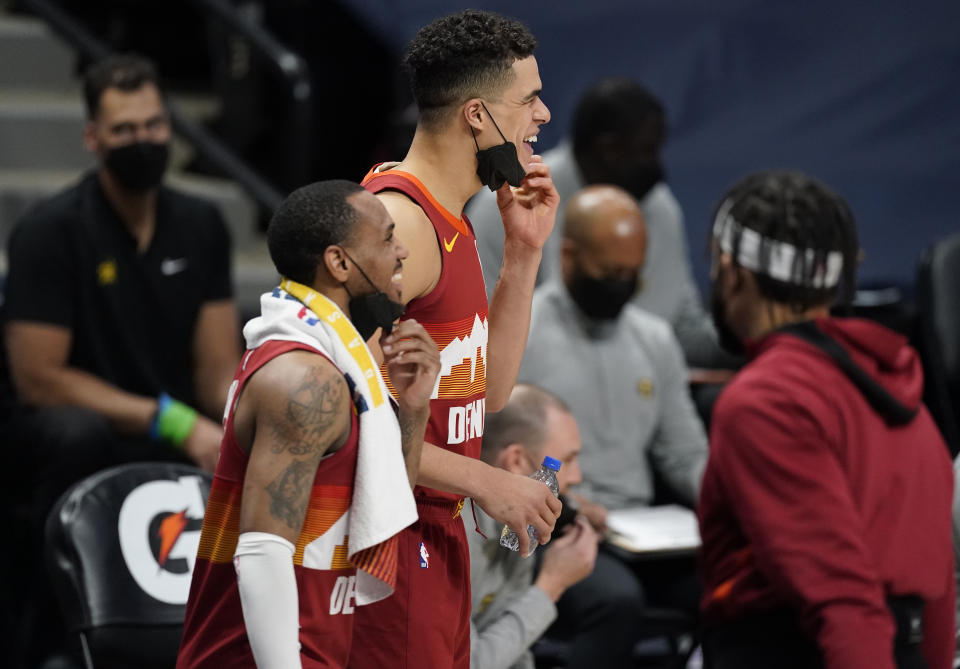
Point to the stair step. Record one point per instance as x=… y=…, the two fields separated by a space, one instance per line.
x=237 y=208
x=21 y=189
x=33 y=56
x=41 y=146
x=40 y=130
x=253 y=275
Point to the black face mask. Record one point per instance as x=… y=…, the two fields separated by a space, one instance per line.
x=638 y=177
x=727 y=339
x=372 y=311
x=602 y=299
x=138 y=166
x=499 y=163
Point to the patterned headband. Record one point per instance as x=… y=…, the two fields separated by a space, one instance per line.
x=781 y=262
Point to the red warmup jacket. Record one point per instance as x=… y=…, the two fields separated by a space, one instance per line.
x=811 y=500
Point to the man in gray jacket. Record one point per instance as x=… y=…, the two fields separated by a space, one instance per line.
x=618 y=367
x=511 y=607
x=621 y=372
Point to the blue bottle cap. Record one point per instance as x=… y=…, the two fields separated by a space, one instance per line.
x=551 y=463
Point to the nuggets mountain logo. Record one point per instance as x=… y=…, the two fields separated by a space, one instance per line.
x=460 y=360
x=159 y=530
x=463 y=363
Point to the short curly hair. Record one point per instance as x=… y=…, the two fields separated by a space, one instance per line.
x=461 y=56
x=126 y=72
x=311 y=219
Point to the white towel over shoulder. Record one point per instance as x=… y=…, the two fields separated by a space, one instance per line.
x=382 y=502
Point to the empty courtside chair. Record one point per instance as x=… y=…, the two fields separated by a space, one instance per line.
x=120 y=546
x=938 y=323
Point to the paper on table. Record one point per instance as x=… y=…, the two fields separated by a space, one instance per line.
x=651 y=529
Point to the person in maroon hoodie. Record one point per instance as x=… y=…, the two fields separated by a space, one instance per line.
x=825 y=510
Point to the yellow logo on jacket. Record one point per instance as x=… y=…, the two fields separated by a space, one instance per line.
x=486 y=601
x=107 y=272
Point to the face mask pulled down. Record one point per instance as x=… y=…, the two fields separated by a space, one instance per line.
x=498 y=163
x=138 y=166
x=374 y=310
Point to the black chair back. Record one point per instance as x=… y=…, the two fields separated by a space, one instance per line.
x=938 y=324
x=120 y=547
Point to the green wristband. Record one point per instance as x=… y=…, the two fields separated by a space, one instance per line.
x=174 y=421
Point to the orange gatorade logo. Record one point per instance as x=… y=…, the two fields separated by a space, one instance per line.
x=169 y=532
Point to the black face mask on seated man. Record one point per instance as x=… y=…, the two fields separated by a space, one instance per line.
x=374 y=310
x=498 y=163
x=602 y=299
x=138 y=166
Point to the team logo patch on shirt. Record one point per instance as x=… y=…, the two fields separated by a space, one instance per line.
x=424 y=556
x=107 y=272
x=645 y=387
x=486 y=601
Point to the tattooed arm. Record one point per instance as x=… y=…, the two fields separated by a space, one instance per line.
x=293 y=411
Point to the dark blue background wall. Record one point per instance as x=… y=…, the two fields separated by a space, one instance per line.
x=864 y=95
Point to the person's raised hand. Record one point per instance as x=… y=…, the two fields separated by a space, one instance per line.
x=413 y=362
x=530 y=210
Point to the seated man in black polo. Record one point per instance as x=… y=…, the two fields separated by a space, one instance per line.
x=120 y=327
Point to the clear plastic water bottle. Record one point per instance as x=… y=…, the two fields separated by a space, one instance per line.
x=547 y=474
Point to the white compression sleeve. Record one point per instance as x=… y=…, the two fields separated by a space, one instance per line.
x=268 y=596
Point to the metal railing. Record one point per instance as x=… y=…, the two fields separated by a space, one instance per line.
x=266 y=195
x=295 y=126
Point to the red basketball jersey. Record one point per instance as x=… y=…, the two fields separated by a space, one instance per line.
x=455 y=315
x=214 y=634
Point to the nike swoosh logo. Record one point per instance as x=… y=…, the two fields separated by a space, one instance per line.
x=449 y=245
x=171 y=266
